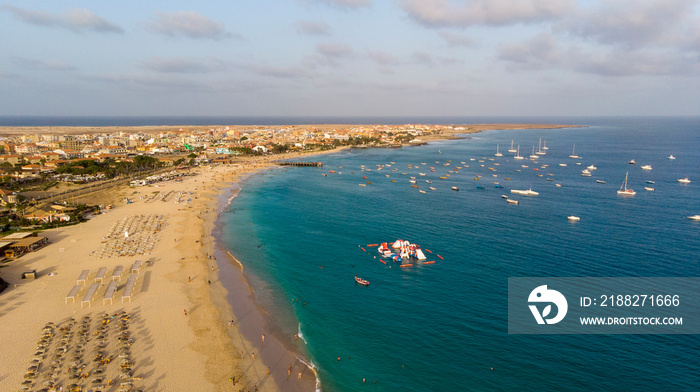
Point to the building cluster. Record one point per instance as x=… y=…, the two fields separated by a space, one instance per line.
x=43 y=153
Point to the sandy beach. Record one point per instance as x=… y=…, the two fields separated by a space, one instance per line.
x=200 y=350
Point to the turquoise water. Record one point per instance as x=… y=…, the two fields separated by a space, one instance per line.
x=443 y=326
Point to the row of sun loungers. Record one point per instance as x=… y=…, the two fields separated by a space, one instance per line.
x=111 y=288
x=134 y=235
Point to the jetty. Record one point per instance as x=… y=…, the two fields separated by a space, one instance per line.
x=315 y=164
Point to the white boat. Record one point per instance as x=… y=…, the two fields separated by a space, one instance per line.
x=573 y=153
x=539 y=148
x=573 y=218
x=648 y=188
x=562 y=164
x=517 y=154
x=646 y=167
x=498 y=154
x=528 y=192
x=694 y=217
x=671 y=157
x=534 y=156
x=600 y=181
x=558 y=185
x=433 y=188
x=586 y=171
x=684 y=180
x=623 y=189
x=632 y=162
x=592 y=167
x=511 y=201
x=511 y=149
x=544 y=146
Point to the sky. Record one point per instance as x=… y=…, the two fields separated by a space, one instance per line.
x=350 y=58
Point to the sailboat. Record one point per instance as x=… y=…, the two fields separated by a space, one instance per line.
x=533 y=156
x=511 y=147
x=623 y=189
x=539 y=149
x=498 y=154
x=544 y=147
x=573 y=153
x=517 y=156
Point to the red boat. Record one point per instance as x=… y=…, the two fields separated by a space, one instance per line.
x=361 y=281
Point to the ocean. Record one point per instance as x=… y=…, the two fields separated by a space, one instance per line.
x=444 y=326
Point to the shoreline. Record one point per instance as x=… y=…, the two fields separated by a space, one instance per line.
x=210 y=344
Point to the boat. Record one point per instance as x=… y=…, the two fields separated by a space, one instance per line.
x=650 y=182
x=511 y=201
x=433 y=188
x=539 y=149
x=498 y=154
x=361 y=281
x=504 y=196
x=544 y=146
x=511 y=147
x=573 y=218
x=480 y=187
x=648 y=188
x=592 y=167
x=499 y=186
x=671 y=157
x=573 y=153
x=558 y=185
x=362 y=184
x=684 y=180
x=454 y=188
x=646 y=167
x=694 y=217
x=585 y=173
x=533 y=156
x=600 y=181
x=528 y=192
x=632 y=162
x=421 y=191
x=623 y=189
x=517 y=155
x=562 y=164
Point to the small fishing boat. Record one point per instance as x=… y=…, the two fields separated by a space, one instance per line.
x=600 y=181
x=648 y=188
x=592 y=167
x=671 y=157
x=650 y=182
x=454 y=188
x=632 y=162
x=684 y=180
x=511 y=201
x=433 y=188
x=694 y=217
x=562 y=164
x=499 y=186
x=361 y=281
x=573 y=218
x=646 y=167
x=480 y=187
x=504 y=196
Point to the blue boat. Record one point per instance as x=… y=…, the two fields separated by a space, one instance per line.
x=480 y=187
x=499 y=186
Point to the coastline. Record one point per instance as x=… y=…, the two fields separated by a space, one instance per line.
x=199 y=351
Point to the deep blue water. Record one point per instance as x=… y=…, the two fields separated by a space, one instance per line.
x=443 y=326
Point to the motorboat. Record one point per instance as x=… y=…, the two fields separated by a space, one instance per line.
x=684 y=180
x=511 y=201
x=632 y=162
x=573 y=218
x=646 y=167
x=671 y=157
x=648 y=188
x=694 y=217
x=527 y=192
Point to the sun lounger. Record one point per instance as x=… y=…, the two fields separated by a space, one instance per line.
x=88 y=296
x=136 y=267
x=100 y=275
x=109 y=294
x=117 y=274
x=83 y=277
x=73 y=292
x=128 y=290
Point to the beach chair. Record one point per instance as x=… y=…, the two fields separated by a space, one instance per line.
x=88 y=295
x=83 y=277
x=100 y=275
x=117 y=274
x=109 y=294
x=73 y=292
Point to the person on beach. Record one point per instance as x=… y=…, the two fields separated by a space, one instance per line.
x=299 y=376
x=263 y=338
x=185 y=312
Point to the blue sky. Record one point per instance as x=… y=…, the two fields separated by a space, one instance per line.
x=350 y=57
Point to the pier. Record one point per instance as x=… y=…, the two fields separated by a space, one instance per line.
x=316 y=164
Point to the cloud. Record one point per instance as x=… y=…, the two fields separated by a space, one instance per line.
x=334 y=50
x=346 y=3
x=445 y=13
x=632 y=23
x=543 y=52
x=279 y=72
x=76 y=20
x=184 y=65
x=421 y=58
x=457 y=40
x=382 y=58
x=42 y=65
x=188 y=24
x=312 y=28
